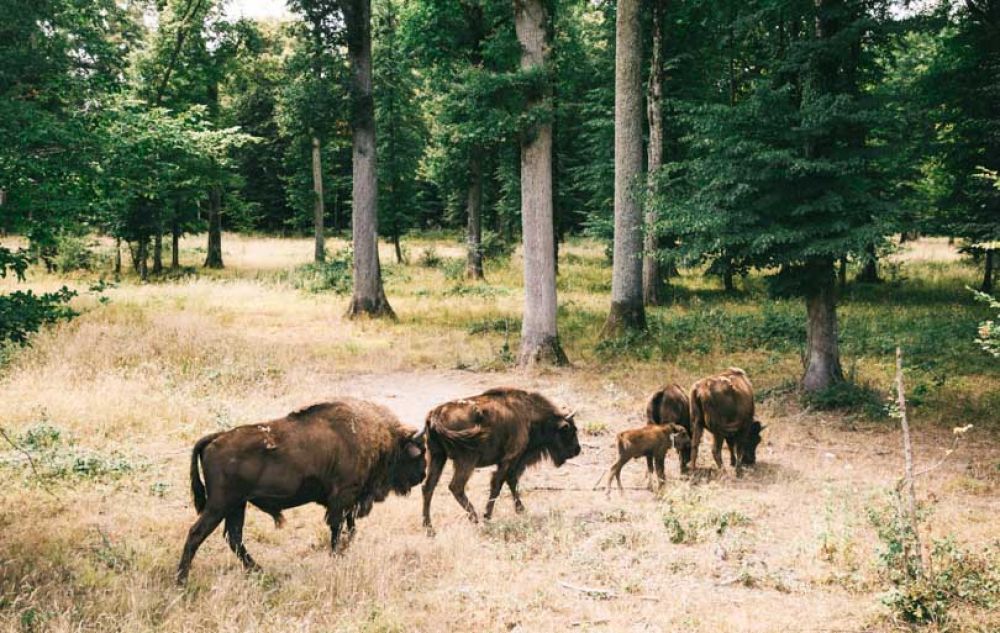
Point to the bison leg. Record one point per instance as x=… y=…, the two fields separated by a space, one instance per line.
x=434 y=469
x=649 y=470
x=717 y=450
x=496 y=485
x=205 y=525
x=513 y=476
x=732 y=451
x=696 y=430
x=234 y=536
x=661 y=477
x=463 y=470
x=615 y=474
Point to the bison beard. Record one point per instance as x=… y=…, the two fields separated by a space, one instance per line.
x=345 y=455
x=509 y=428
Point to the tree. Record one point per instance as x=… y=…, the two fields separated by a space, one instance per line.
x=961 y=89
x=627 y=312
x=539 y=335
x=652 y=278
x=778 y=180
x=369 y=296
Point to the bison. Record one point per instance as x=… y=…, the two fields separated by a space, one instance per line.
x=344 y=455
x=723 y=404
x=670 y=405
x=652 y=442
x=506 y=427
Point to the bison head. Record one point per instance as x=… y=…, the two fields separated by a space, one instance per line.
x=563 y=443
x=410 y=467
x=750 y=441
x=682 y=444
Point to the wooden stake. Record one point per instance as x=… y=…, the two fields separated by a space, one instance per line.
x=908 y=477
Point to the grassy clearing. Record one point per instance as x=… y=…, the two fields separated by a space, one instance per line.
x=109 y=404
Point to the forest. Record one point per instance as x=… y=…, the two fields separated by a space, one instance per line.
x=215 y=212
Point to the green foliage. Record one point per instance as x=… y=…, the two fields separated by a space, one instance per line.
x=952 y=576
x=56 y=456
x=23 y=312
x=989 y=330
x=73 y=253
x=333 y=275
x=847 y=395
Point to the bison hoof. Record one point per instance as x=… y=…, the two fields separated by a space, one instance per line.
x=519 y=508
x=431 y=533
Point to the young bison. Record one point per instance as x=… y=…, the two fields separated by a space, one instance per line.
x=652 y=442
x=345 y=455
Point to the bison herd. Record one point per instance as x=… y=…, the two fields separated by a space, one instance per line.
x=348 y=454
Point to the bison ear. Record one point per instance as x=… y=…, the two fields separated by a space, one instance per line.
x=413 y=450
x=564 y=424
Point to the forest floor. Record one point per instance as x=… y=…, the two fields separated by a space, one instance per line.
x=109 y=404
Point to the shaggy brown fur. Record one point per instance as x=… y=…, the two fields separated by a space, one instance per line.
x=652 y=442
x=724 y=405
x=506 y=427
x=344 y=455
x=670 y=405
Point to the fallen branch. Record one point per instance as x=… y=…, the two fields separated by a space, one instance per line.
x=605 y=594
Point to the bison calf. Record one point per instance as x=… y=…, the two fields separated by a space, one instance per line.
x=652 y=442
x=509 y=428
x=344 y=455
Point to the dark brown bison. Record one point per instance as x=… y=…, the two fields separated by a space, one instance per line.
x=723 y=404
x=652 y=442
x=509 y=428
x=344 y=455
x=670 y=405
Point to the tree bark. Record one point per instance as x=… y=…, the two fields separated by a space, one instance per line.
x=987 y=285
x=158 y=252
x=842 y=272
x=627 y=311
x=653 y=287
x=369 y=295
x=318 y=210
x=822 y=348
x=142 y=258
x=474 y=210
x=869 y=271
x=175 y=243
x=539 y=335
x=118 y=257
x=214 y=257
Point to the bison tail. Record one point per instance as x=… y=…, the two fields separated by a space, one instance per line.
x=197 y=487
x=653 y=408
x=697 y=415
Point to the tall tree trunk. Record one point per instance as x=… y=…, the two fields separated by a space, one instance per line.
x=822 y=350
x=175 y=242
x=158 y=251
x=142 y=257
x=474 y=210
x=369 y=295
x=118 y=257
x=627 y=311
x=653 y=287
x=842 y=272
x=869 y=271
x=539 y=335
x=987 y=285
x=214 y=257
x=318 y=210
x=727 y=276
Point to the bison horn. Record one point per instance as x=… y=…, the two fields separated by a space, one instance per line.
x=570 y=415
x=419 y=434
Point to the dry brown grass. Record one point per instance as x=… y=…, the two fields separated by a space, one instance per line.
x=788 y=548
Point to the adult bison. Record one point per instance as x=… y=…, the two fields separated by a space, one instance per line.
x=506 y=427
x=670 y=405
x=344 y=455
x=723 y=404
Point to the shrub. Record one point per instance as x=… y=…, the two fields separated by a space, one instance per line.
x=493 y=246
x=73 y=253
x=333 y=275
x=429 y=257
x=23 y=313
x=56 y=456
x=847 y=395
x=453 y=269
